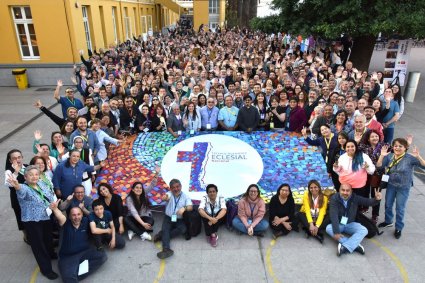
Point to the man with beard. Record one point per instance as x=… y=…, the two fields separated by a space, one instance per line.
x=72 y=114
x=312 y=103
x=248 y=116
x=371 y=123
x=88 y=136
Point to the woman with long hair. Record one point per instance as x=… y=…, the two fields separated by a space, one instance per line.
x=66 y=130
x=334 y=156
x=191 y=120
x=312 y=214
x=340 y=122
x=281 y=212
x=139 y=219
x=261 y=104
x=296 y=117
x=113 y=203
x=353 y=167
x=251 y=211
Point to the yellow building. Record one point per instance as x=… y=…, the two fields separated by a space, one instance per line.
x=210 y=13
x=45 y=36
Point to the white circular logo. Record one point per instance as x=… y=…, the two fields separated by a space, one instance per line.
x=229 y=163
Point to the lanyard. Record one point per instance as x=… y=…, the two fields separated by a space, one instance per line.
x=85 y=138
x=41 y=195
x=49 y=163
x=230 y=112
x=212 y=209
x=394 y=163
x=328 y=144
x=135 y=101
x=82 y=154
x=72 y=102
x=209 y=114
x=176 y=202
x=252 y=210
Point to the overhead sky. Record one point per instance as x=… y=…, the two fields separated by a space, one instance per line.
x=264 y=9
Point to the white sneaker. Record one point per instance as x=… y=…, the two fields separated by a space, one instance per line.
x=146 y=236
x=130 y=234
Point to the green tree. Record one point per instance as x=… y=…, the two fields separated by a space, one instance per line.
x=363 y=20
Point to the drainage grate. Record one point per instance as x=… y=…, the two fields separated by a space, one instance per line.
x=45 y=89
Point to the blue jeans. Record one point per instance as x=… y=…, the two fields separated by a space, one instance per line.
x=356 y=230
x=171 y=229
x=388 y=135
x=400 y=196
x=260 y=227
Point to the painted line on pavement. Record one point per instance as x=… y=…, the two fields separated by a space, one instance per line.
x=269 y=264
x=394 y=258
x=34 y=274
x=161 y=266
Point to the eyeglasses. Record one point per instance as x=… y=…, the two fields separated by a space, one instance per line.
x=210 y=102
x=340 y=99
x=322 y=101
x=154 y=91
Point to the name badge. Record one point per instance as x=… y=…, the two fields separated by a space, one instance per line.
x=131 y=125
x=174 y=218
x=49 y=211
x=146 y=130
x=249 y=221
x=192 y=132
x=271 y=125
x=344 y=220
x=385 y=178
x=179 y=133
x=262 y=116
x=208 y=126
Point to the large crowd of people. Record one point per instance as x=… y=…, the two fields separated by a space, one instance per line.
x=230 y=80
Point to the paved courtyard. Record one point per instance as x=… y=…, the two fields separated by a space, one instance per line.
x=237 y=258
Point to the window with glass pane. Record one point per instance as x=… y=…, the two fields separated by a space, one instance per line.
x=25 y=32
x=213 y=6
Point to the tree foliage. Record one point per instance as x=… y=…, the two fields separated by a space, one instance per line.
x=331 y=18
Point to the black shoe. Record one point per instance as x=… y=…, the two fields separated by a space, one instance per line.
x=259 y=234
x=319 y=238
x=397 y=234
x=341 y=250
x=360 y=249
x=165 y=253
x=100 y=249
x=277 y=234
x=54 y=256
x=385 y=225
x=187 y=236
x=51 y=275
x=157 y=237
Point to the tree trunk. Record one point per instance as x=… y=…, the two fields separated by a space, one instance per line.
x=361 y=52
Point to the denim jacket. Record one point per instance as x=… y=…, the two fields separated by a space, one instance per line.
x=401 y=174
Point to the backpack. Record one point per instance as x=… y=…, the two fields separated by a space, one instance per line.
x=194 y=226
x=232 y=211
x=369 y=224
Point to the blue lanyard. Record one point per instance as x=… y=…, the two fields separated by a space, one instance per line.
x=252 y=210
x=209 y=114
x=176 y=202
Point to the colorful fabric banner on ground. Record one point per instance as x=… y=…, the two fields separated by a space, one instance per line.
x=230 y=160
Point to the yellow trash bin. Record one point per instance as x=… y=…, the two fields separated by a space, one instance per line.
x=21 y=78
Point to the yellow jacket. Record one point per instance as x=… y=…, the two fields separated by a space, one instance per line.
x=306 y=209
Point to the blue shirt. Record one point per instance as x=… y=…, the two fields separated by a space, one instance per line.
x=74 y=240
x=66 y=178
x=175 y=203
x=89 y=141
x=229 y=116
x=394 y=108
x=66 y=103
x=209 y=116
x=33 y=206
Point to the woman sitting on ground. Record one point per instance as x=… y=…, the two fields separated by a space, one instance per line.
x=113 y=203
x=281 y=212
x=213 y=210
x=139 y=219
x=251 y=211
x=312 y=214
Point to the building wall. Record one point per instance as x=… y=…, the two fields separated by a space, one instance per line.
x=200 y=13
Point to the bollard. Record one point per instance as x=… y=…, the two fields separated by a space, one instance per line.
x=411 y=86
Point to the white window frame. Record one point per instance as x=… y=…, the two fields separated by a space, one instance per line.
x=213 y=6
x=114 y=24
x=127 y=25
x=149 y=22
x=143 y=25
x=86 y=24
x=24 y=21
